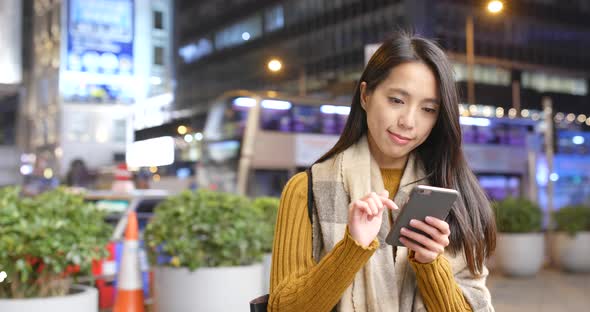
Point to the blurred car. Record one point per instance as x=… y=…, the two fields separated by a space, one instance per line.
x=117 y=205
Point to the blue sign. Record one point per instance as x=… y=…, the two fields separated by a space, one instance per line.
x=99 y=59
x=100 y=36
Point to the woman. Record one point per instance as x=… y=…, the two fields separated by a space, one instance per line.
x=403 y=129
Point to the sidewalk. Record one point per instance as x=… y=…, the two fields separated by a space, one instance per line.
x=550 y=290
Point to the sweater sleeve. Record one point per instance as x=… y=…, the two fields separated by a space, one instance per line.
x=437 y=285
x=297 y=282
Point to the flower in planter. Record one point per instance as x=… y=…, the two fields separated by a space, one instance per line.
x=175 y=261
x=2 y=276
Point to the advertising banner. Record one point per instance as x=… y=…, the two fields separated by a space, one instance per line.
x=99 y=54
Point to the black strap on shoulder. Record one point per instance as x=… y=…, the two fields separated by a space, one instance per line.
x=309 y=195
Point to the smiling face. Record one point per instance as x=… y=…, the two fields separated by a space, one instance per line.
x=401 y=112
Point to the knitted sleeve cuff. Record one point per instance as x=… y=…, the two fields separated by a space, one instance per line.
x=350 y=240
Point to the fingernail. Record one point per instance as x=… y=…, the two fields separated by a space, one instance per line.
x=403 y=230
x=429 y=218
x=413 y=222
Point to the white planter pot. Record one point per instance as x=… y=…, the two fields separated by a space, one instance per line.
x=207 y=289
x=520 y=254
x=571 y=253
x=82 y=299
x=266 y=263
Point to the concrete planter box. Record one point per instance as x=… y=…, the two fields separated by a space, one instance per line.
x=571 y=253
x=81 y=299
x=520 y=254
x=207 y=289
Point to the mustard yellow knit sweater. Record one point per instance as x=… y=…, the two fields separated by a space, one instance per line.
x=298 y=283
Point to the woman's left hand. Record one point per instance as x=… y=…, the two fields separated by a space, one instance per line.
x=432 y=246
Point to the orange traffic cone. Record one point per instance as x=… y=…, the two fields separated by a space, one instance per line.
x=130 y=292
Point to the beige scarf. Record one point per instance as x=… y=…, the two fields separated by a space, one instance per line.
x=382 y=284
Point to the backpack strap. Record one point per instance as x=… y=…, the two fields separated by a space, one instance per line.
x=309 y=195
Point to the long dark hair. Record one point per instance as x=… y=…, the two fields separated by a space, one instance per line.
x=471 y=220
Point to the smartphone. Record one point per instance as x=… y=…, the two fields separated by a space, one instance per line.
x=424 y=201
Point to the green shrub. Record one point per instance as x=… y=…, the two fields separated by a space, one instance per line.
x=47 y=240
x=572 y=219
x=517 y=215
x=269 y=206
x=206 y=229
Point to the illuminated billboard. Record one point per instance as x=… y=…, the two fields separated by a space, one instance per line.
x=99 y=52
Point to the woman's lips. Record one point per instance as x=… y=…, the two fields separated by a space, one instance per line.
x=398 y=139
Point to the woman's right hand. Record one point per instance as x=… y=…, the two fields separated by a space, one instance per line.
x=365 y=216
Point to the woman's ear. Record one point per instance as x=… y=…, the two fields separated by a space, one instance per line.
x=363 y=89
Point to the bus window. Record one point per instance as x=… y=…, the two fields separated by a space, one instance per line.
x=334 y=118
x=499 y=187
x=267 y=182
x=227 y=119
x=306 y=119
x=495 y=133
x=276 y=118
x=237 y=117
x=219 y=167
x=341 y=122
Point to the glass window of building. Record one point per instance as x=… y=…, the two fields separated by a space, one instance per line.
x=238 y=33
x=120 y=131
x=194 y=51
x=7 y=128
x=543 y=82
x=483 y=74
x=159 y=56
x=274 y=18
x=158 y=19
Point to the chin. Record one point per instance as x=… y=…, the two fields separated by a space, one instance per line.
x=397 y=152
x=397 y=155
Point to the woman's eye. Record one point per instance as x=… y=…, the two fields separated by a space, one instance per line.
x=430 y=110
x=395 y=100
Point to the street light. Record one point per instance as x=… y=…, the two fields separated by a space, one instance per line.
x=493 y=7
x=274 y=65
x=181 y=130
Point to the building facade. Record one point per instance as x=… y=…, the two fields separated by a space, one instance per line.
x=95 y=68
x=532 y=49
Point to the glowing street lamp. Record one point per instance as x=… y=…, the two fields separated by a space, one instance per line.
x=495 y=6
x=274 y=65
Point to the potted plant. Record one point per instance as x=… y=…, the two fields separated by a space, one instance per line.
x=520 y=248
x=45 y=243
x=269 y=206
x=206 y=248
x=570 y=244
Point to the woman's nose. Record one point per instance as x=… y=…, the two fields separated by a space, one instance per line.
x=407 y=119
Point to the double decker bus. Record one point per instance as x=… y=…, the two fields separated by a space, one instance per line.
x=254 y=141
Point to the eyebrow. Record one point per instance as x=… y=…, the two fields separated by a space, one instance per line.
x=406 y=94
